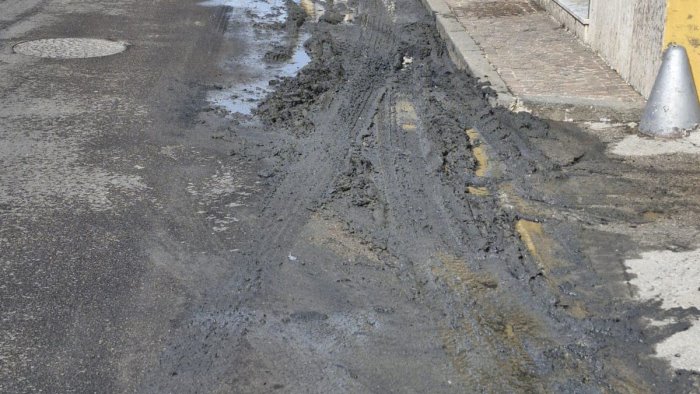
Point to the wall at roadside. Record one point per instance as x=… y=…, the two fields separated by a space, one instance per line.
x=628 y=34
x=577 y=25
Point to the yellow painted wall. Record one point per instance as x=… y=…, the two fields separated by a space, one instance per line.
x=683 y=27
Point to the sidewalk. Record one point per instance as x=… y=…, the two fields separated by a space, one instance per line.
x=532 y=62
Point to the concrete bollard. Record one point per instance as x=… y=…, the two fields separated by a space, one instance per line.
x=673 y=108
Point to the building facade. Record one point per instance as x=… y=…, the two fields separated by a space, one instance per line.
x=631 y=35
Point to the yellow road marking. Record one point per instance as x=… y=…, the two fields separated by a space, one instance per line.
x=330 y=234
x=478 y=191
x=309 y=7
x=460 y=278
x=498 y=321
x=540 y=246
x=543 y=250
x=479 y=151
x=406 y=116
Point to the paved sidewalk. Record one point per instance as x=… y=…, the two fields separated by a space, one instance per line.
x=532 y=62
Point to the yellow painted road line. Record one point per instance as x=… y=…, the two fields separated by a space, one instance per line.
x=478 y=191
x=406 y=116
x=543 y=250
x=479 y=151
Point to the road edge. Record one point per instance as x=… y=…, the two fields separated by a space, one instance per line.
x=467 y=55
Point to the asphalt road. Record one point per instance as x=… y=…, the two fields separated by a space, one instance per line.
x=102 y=245
x=171 y=221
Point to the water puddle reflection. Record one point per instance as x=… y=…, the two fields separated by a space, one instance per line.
x=242 y=98
x=273 y=11
x=260 y=26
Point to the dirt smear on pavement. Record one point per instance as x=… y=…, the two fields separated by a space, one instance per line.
x=375 y=266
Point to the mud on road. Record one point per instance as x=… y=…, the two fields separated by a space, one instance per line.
x=374 y=225
x=389 y=256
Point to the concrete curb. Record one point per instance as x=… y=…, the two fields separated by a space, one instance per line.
x=468 y=56
x=577 y=109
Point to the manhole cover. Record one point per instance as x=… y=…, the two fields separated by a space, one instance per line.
x=69 y=48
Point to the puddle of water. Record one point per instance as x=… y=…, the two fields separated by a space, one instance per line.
x=254 y=16
x=272 y=11
x=242 y=98
x=237 y=100
x=255 y=19
x=299 y=59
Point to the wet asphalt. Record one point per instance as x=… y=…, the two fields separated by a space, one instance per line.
x=263 y=196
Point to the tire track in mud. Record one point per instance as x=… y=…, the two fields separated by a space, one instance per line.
x=381 y=260
x=483 y=337
x=402 y=162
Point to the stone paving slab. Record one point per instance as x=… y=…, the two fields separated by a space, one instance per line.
x=532 y=61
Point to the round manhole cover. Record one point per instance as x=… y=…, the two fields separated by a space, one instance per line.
x=69 y=48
